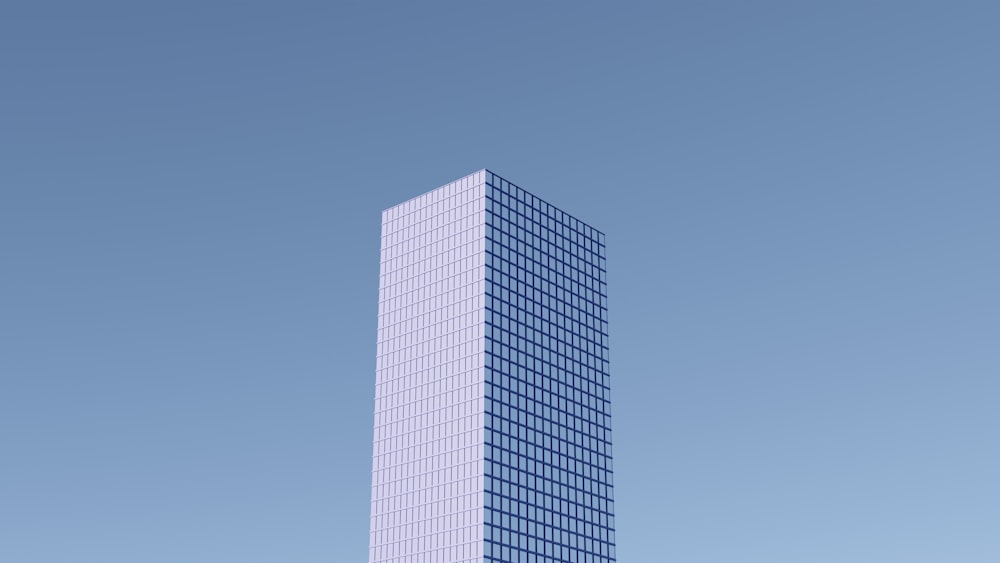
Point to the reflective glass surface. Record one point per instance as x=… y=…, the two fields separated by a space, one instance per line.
x=547 y=425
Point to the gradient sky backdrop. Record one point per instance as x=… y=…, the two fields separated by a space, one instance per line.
x=802 y=203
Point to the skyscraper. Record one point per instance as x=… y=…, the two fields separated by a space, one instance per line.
x=492 y=413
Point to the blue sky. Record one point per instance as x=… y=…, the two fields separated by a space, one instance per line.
x=801 y=201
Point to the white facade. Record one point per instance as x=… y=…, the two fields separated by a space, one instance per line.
x=427 y=475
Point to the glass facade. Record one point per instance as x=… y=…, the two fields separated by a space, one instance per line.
x=548 y=485
x=427 y=466
x=492 y=413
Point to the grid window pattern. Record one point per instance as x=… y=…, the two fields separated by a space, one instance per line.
x=548 y=464
x=427 y=469
x=492 y=410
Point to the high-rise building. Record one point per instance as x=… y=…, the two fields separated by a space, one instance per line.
x=492 y=414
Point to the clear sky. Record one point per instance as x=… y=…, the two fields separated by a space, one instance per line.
x=802 y=204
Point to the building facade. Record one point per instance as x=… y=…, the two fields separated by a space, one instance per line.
x=492 y=411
